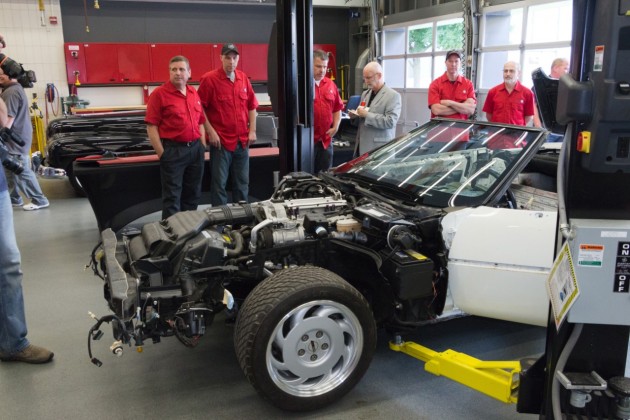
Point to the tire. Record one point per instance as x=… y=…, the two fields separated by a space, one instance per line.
x=304 y=338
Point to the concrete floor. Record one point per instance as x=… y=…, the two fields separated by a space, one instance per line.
x=170 y=381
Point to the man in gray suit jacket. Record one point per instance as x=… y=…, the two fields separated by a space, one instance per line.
x=378 y=112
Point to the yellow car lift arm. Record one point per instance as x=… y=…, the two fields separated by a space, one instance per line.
x=497 y=379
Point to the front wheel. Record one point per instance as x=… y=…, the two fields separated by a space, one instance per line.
x=304 y=338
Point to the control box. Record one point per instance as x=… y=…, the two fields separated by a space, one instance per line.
x=600 y=252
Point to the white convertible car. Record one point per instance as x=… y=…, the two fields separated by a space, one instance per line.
x=443 y=220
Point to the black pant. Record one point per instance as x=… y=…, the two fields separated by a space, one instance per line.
x=181 y=172
x=323 y=157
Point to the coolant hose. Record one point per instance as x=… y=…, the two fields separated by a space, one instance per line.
x=238 y=244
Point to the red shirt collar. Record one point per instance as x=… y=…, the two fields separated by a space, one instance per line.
x=171 y=87
x=517 y=86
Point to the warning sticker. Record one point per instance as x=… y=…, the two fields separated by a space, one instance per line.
x=590 y=255
x=562 y=285
x=598 y=61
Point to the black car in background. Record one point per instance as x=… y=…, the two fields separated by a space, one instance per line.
x=118 y=134
x=77 y=136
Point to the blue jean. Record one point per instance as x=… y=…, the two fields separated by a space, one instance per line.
x=12 y=320
x=234 y=164
x=26 y=182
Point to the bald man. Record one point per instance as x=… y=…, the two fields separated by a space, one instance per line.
x=510 y=102
x=559 y=66
x=379 y=111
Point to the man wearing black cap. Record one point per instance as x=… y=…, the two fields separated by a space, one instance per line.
x=228 y=99
x=452 y=95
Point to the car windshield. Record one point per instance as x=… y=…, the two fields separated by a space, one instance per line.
x=446 y=163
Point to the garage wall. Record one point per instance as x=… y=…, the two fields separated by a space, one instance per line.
x=167 y=22
x=38 y=47
x=123 y=21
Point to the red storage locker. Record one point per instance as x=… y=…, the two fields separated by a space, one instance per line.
x=253 y=61
x=101 y=63
x=161 y=54
x=134 y=63
x=75 y=62
x=201 y=58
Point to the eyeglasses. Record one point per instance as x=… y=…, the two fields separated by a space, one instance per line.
x=368 y=78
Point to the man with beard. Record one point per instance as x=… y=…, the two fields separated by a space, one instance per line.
x=379 y=111
x=510 y=102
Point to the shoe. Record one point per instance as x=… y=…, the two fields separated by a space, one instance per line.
x=33 y=206
x=31 y=354
x=17 y=204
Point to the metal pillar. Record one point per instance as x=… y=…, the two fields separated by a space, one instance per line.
x=294 y=21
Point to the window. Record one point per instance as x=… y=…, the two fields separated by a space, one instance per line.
x=549 y=22
x=414 y=53
x=532 y=33
x=420 y=38
x=449 y=35
x=503 y=27
x=419 y=72
x=394 y=42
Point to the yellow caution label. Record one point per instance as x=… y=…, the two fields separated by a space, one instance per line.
x=414 y=254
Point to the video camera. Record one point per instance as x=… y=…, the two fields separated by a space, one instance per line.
x=8 y=161
x=14 y=70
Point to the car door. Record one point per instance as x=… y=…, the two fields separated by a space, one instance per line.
x=498 y=261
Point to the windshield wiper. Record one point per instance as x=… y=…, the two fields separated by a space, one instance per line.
x=390 y=192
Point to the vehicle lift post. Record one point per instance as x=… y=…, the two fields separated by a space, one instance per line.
x=588 y=355
x=292 y=95
x=586 y=365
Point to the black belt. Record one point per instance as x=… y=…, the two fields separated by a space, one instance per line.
x=175 y=143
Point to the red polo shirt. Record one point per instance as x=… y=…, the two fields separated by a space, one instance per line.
x=459 y=90
x=326 y=102
x=227 y=105
x=176 y=116
x=509 y=108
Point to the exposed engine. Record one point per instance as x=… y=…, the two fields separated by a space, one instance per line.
x=172 y=276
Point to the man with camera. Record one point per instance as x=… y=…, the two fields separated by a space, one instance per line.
x=13 y=78
x=14 y=346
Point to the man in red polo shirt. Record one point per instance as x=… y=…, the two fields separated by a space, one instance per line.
x=230 y=105
x=175 y=121
x=452 y=95
x=327 y=108
x=510 y=102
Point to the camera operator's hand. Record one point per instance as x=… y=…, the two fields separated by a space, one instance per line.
x=4 y=152
x=4 y=114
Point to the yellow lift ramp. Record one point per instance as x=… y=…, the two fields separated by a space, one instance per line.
x=497 y=379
